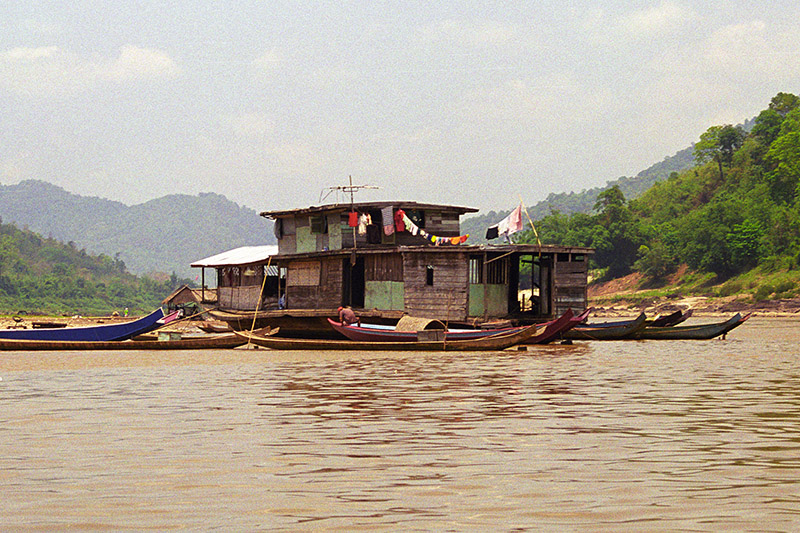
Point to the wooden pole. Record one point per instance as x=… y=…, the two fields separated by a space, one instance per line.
x=536 y=233
x=260 y=296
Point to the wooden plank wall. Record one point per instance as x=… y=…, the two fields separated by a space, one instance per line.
x=330 y=290
x=302 y=283
x=314 y=284
x=241 y=298
x=288 y=243
x=446 y=299
x=570 y=279
x=333 y=239
x=442 y=224
x=383 y=267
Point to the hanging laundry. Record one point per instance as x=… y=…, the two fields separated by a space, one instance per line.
x=435 y=239
x=363 y=222
x=399 y=224
x=387 y=219
x=410 y=226
x=508 y=226
x=352 y=219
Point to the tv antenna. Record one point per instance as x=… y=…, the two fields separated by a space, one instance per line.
x=344 y=189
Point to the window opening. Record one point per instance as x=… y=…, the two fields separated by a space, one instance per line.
x=319 y=224
x=476 y=270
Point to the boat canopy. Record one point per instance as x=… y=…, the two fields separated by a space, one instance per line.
x=413 y=323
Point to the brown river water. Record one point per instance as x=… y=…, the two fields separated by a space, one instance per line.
x=597 y=436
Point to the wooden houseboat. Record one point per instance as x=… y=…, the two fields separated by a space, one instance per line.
x=387 y=259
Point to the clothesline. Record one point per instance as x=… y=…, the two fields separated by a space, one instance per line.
x=414 y=230
x=398 y=221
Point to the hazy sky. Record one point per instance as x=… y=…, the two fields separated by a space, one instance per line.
x=269 y=102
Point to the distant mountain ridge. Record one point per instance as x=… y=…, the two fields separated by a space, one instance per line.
x=162 y=235
x=167 y=234
x=583 y=202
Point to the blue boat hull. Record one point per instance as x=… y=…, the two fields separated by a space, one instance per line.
x=100 y=332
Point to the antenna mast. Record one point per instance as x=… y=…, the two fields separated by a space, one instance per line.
x=345 y=189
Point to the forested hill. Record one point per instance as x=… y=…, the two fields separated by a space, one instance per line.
x=733 y=218
x=162 y=235
x=583 y=202
x=45 y=276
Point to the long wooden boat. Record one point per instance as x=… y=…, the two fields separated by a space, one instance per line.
x=497 y=342
x=693 y=332
x=115 y=331
x=214 y=326
x=672 y=319
x=603 y=331
x=383 y=333
x=201 y=342
x=555 y=329
x=297 y=323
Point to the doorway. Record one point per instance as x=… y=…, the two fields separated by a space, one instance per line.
x=354 y=286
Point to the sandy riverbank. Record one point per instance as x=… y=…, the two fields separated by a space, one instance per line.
x=620 y=298
x=701 y=306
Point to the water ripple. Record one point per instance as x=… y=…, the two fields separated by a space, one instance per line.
x=601 y=436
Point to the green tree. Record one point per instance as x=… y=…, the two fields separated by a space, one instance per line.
x=616 y=237
x=784 y=156
x=768 y=126
x=744 y=243
x=610 y=203
x=655 y=261
x=784 y=103
x=718 y=144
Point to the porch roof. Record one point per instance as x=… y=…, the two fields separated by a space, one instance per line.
x=245 y=255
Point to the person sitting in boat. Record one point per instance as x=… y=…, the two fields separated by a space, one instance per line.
x=347 y=316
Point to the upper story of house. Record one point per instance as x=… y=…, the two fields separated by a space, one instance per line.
x=365 y=225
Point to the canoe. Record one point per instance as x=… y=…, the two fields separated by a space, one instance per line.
x=661 y=321
x=497 y=342
x=213 y=326
x=693 y=332
x=672 y=319
x=227 y=340
x=685 y=315
x=604 y=331
x=115 y=331
x=380 y=333
x=298 y=323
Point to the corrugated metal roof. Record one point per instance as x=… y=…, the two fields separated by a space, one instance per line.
x=246 y=255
